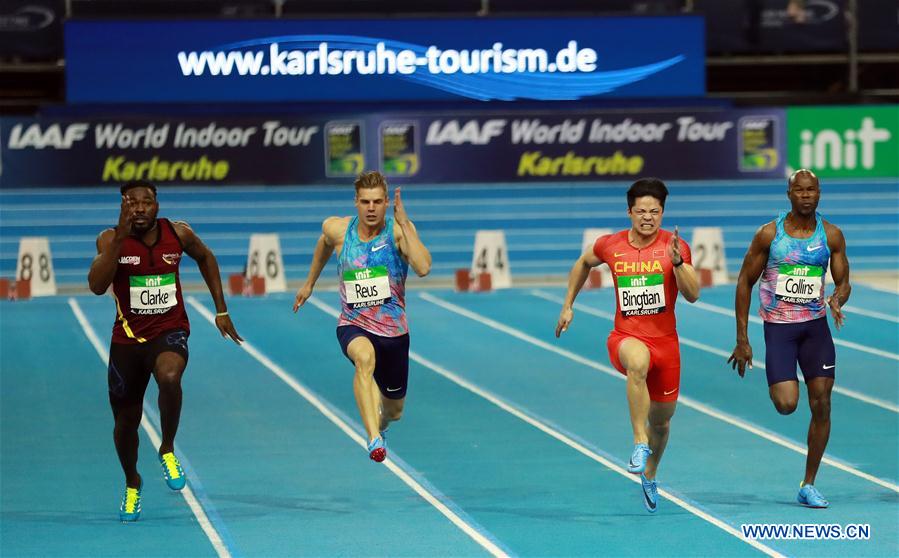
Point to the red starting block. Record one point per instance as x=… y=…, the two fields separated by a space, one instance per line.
x=238 y=285
x=20 y=290
x=594 y=280
x=235 y=284
x=463 y=280
x=255 y=286
x=705 y=278
x=485 y=282
x=482 y=282
x=4 y=288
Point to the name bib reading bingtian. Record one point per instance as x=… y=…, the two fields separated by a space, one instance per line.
x=799 y=284
x=366 y=287
x=153 y=294
x=641 y=295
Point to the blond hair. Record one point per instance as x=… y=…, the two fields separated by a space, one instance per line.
x=370 y=179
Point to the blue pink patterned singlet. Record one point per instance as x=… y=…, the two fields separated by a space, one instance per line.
x=372 y=278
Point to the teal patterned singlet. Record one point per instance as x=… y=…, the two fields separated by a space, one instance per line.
x=792 y=285
x=372 y=278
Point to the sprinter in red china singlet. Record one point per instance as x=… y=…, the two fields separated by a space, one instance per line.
x=650 y=266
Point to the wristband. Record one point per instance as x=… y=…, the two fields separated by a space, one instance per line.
x=221 y=314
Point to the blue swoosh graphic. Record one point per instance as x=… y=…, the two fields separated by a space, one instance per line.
x=482 y=86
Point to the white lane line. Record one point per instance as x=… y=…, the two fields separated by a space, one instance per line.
x=871 y=313
x=882 y=403
x=565 y=439
x=686 y=401
x=211 y=533
x=756 y=320
x=324 y=408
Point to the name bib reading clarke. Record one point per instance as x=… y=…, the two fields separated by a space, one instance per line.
x=153 y=294
x=799 y=284
x=641 y=295
x=366 y=287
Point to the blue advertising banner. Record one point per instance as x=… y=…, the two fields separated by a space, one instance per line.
x=44 y=152
x=424 y=147
x=397 y=59
x=613 y=145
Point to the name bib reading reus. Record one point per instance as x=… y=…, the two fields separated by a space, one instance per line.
x=366 y=287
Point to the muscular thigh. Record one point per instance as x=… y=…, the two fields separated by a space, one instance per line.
x=663 y=379
x=355 y=344
x=167 y=354
x=360 y=350
x=781 y=351
x=817 y=355
x=128 y=374
x=392 y=366
x=627 y=352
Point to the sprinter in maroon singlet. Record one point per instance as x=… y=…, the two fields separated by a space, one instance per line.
x=140 y=259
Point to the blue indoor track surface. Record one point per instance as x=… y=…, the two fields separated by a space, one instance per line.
x=513 y=442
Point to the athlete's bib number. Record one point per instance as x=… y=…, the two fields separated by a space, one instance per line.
x=367 y=287
x=799 y=284
x=153 y=294
x=641 y=295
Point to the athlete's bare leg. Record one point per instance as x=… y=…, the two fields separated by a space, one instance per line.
x=368 y=397
x=660 y=414
x=168 y=371
x=819 y=428
x=391 y=410
x=127 y=421
x=785 y=396
x=634 y=357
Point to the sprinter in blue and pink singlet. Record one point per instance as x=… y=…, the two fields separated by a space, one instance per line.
x=373 y=258
x=791 y=255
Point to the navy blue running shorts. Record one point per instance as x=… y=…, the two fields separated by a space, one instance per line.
x=391 y=359
x=808 y=343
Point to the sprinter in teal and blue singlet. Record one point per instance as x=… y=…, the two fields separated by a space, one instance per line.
x=791 y=255
x=373 y=258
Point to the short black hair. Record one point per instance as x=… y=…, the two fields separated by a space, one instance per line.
x=647 y=187
x=138 y=184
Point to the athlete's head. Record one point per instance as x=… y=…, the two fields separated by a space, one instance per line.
x=140 y=195
x=804 y=192
x=371 y=197
x=646 y=204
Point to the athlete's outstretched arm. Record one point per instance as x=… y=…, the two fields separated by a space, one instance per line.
x=209 y=268
x=109 y=244
x=839 y=269
x=684 y=274
x=576 y=278
x=753 y=265
x=333 y=229
x=410 y=245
